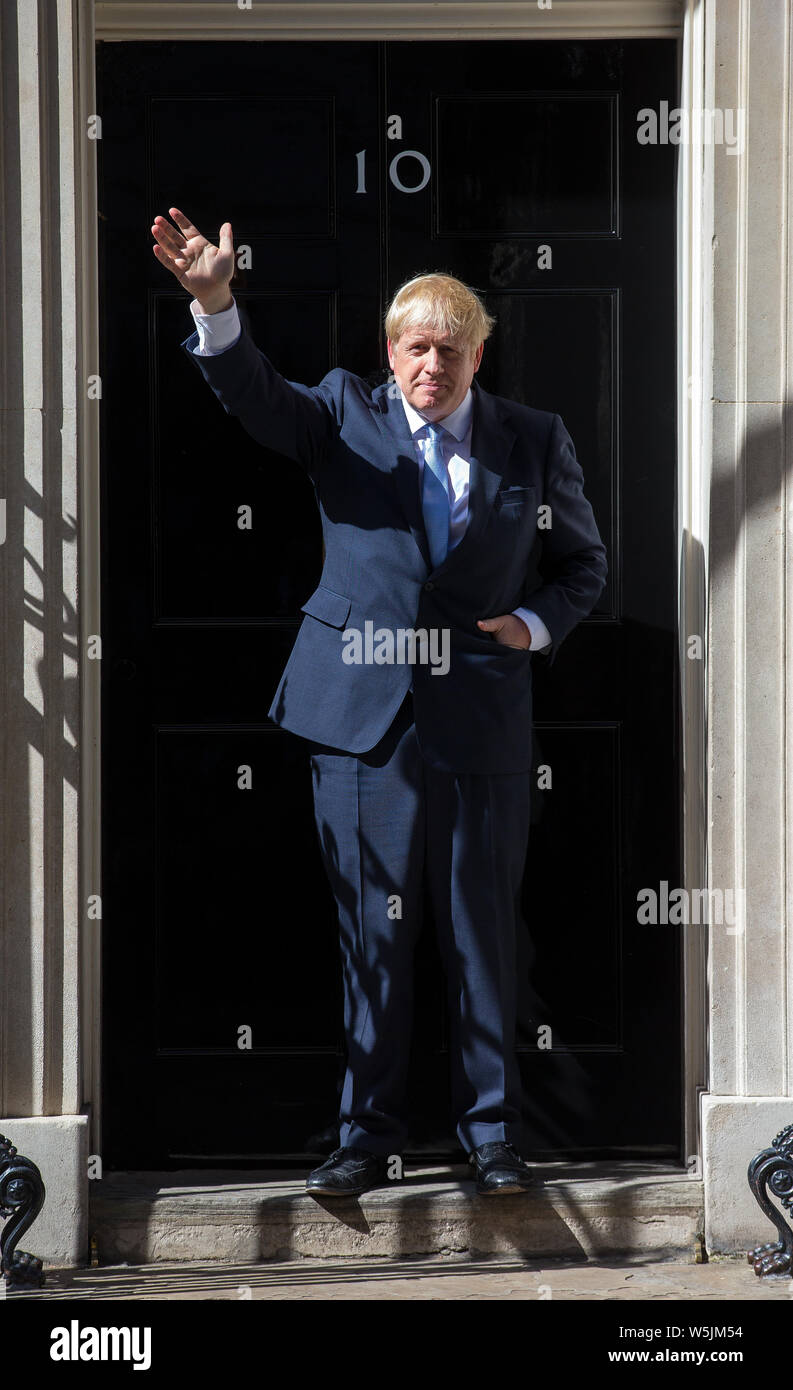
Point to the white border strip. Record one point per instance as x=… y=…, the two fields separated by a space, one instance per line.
x=694 y=308
x=87 y=258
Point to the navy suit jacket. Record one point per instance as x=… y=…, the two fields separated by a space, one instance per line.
x=356 y=446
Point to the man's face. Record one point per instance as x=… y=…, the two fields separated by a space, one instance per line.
x=433 y=369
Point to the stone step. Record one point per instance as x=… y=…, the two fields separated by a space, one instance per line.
x=584 y=1209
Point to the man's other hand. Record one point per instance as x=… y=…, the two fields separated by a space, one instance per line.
x=203 y=269
x=508 y=629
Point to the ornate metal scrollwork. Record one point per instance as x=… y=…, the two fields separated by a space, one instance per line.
x=22 y=1196
x=772 y=1170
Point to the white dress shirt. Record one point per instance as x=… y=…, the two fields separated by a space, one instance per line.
x=217 y=332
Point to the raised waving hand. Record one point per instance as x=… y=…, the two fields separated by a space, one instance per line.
x=203 y=269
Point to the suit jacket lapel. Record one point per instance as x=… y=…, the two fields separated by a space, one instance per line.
x=492 y=441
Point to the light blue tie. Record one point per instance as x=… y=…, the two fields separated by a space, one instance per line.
x=435 y=496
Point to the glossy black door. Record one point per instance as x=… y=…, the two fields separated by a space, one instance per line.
x=345 y=168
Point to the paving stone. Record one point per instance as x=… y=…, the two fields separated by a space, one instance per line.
x=445 y=1277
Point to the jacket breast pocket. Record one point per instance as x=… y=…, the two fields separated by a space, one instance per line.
x=328 y=606
x=516 y=501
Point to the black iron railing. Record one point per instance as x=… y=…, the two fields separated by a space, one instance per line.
x=22 y=1196
x=771 y=1172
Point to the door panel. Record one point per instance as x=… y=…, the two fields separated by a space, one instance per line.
x=505 y=161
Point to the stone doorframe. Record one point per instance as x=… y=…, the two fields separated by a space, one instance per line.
x=732 y=370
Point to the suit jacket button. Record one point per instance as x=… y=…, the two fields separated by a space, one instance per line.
x=429 y=584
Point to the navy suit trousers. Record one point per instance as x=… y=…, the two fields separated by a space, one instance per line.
x=385 y=818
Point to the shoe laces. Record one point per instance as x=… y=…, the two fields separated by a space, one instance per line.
x=351 y=1151
x=497 y=1149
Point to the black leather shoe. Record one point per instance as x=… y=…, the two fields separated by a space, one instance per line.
x=499 y=1168
x=347 y=1172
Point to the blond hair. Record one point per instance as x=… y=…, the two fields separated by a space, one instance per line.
x=439 y=302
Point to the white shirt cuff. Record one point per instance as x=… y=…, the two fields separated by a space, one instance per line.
x=540 y=636
x=216 y=332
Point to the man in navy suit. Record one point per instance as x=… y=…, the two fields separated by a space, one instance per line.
x=458 y=542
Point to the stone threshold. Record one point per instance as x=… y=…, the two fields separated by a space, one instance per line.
x=582 y=1210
